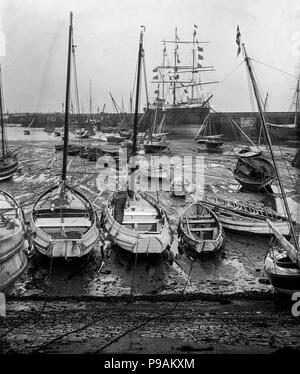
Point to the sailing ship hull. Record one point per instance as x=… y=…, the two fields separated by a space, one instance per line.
x=207 y=221
x=7 y=170
x=285 y=279
x=184 y=121
x=133 y=241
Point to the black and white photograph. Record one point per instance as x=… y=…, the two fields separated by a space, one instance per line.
x=149 y=191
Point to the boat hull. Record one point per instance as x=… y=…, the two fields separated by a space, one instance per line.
x=200 y=246
x=12 y=258
x=133 y=241
x=7 y=171
x=153 y=148
x=237 y=217
x=213 y=145
x=64 y=248
x=65 y=233
x=244 y=174
x=285 y=280
x=252 y=226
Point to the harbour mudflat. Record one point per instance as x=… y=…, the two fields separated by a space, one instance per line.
x=196 y=326
x=234 y=272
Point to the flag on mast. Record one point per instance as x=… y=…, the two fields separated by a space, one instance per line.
x=238 y=39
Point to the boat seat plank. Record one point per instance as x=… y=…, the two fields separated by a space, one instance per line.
x=141 y=222
x=191 y=219
x=202 y=221
x=199 y=229
x=68 y=222
x=140 y=213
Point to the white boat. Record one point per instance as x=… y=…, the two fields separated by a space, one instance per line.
x=137 y=224
x=82 y=133
x=133 y=219
x=12 y=230
x=246 y=218
x=200 y=230
x=154 y=172
x=63 y=221
x=181 y=186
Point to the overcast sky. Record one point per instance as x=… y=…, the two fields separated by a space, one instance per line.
x=106 y=33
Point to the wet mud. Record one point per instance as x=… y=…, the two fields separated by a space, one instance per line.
x=98 y=286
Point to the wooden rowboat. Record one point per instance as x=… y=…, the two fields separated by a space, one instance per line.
x=200 y=230
x=254 y=172
x=241 y=217
x=64 y=223
x=137 y=223
x=12 y=229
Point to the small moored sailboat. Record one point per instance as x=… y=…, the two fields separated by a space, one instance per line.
x=206 y=135
x=134 y=220
x=63 y=221
x=26 y=131
x=281 y=263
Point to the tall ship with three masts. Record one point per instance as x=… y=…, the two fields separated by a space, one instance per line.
x=180 y=92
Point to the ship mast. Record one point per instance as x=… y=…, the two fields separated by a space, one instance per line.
x=1 y=118
x=297 y=103
x=175 y=67
x=262 y=117
x=91 y=99
x=67 y=102
x=163 y=76
x=136 y=113
x=193 y=68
